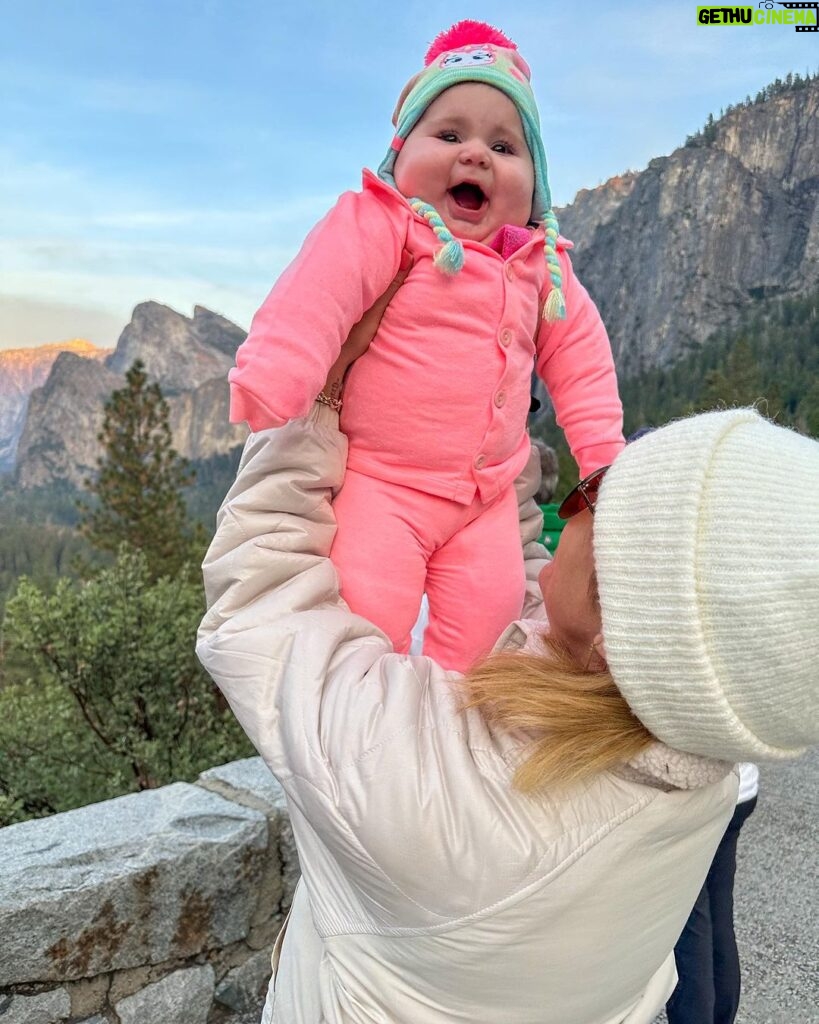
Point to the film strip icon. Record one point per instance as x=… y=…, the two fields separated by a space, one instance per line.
x=804 y=7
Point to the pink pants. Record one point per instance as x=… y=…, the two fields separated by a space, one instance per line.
x=394 y=542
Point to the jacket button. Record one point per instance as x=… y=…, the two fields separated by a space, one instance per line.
x=506 y=337
x=510 y=271
x=500 y=398
x=480 y=461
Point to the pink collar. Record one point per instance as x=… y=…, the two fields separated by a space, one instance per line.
x=509 y=239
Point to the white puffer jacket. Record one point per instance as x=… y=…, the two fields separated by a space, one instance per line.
x=432 y=891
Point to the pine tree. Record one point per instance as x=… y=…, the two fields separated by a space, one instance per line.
x=140 y=481
x=737 y=382
x=106 y=694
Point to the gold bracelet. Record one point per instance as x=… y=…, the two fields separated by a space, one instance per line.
x=333 y=403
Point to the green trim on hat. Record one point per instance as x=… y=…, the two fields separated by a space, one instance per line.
x=434 y=80
x=501 y=68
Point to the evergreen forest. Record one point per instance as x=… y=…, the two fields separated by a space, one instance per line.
x=771 y=361
x=101 y=693
x=88 y=576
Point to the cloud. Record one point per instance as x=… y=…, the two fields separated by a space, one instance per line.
x=140 y=161
x=84 y=90
x=38 y=193
x=25 y=322
x=296 y=211
x=75 y=242
x=81 y=304
x=114 y=280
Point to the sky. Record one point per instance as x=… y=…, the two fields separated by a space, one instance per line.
x=180 y=150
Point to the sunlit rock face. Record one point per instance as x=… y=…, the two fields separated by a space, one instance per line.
x=188 y=356
x=21 y=371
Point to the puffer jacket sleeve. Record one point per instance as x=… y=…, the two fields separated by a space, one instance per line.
x=575 y=362
x=275 y=618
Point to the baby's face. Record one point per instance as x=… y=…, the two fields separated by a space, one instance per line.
x=468 y=157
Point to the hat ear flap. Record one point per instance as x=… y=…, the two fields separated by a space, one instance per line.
x=521 y=65
x=404 y=93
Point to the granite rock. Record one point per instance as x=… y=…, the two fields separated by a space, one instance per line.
x=58 y=440
x=183 y=997
x=251 y=783
x=139 y=880
x=179 y=352
x=44 y=1008
x=677 y=251
x=21 y=371
x=188 y=357
x=243 y=988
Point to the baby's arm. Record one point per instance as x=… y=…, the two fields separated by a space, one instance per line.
x=575 y=363
x=360 y=336
x=346 y=262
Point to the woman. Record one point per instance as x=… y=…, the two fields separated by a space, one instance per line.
x=533 y=857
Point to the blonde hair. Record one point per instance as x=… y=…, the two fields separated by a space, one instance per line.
x=581 y=723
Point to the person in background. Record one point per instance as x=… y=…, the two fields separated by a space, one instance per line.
x=522 y=844
x=706 y=953
x=549 y=472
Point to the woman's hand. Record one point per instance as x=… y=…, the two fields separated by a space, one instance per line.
x=359 y=338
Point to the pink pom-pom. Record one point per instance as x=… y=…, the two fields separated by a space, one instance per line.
x=464 y=33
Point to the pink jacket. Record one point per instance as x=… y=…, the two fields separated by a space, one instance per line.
x=439 y=400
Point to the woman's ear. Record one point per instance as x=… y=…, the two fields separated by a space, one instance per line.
x=599 y=647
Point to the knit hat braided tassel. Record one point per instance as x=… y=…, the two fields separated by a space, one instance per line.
x=450 y=257
x=555 y=305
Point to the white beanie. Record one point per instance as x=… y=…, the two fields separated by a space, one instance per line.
x=706 y=542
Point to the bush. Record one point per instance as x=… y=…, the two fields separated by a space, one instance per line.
x=119 y=703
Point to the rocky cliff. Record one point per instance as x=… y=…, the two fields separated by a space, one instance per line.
x=684 y=247
x=59 y=439
x=179 y=352
x=670 y=254
x=21 y=371
x=189 y=357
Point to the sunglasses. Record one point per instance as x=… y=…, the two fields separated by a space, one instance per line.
x=582 y=496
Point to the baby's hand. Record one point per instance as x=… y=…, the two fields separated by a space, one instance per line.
x=359 y=338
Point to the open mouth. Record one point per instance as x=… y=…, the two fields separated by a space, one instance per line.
x=468 y=195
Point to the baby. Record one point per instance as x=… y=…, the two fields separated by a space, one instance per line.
x=435 y=409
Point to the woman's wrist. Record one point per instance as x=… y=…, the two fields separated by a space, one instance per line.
x=330 y=394
x=334 y=385
x=327 y=399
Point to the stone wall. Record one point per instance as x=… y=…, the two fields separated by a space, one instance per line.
x=156 y=908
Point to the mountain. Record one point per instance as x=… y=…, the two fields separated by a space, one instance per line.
x=672 y=255
x=188 y=357
x=677 y=251
x=59 y=438
x=179 y=352
x=21 y=371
